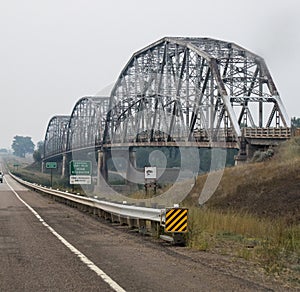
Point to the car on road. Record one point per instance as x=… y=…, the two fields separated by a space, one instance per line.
x=1 y=177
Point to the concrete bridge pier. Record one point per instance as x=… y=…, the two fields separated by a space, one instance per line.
x=130 y=174
x=131 y=165
x=260 y=139
x=102 y=172
x=64 y=165
x=242 y=155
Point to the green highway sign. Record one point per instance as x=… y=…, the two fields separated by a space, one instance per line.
x=51 y=165
x=79 y=167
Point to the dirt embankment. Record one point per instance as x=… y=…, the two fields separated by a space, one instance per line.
x=268 y=189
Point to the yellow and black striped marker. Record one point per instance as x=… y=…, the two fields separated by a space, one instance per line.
x=176 y=220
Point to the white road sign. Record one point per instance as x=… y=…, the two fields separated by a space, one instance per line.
x=80 y=179
x=150 y=172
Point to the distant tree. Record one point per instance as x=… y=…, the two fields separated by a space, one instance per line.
x=22 y=145
x=3 y=150
x=38 y=153
x=296 y=122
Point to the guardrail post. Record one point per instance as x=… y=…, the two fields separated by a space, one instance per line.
x=115 y=218
x=142 y=225
x=132 y=223
x=155 y=229
x=123 y=221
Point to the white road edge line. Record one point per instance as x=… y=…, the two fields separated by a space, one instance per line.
x=115 y=286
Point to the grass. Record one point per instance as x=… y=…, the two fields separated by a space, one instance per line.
x=270 y=243
x=38 y=177
x=267 y=189
x=31 y=172
x=141 y=193
x=289 y=150
x=254 y=213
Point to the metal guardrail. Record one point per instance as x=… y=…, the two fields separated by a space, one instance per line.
x=115 y=209
x=133 y=216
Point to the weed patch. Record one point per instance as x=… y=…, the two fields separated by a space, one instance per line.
x=271 y=243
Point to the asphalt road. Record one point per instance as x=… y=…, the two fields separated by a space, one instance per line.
x=66 y=250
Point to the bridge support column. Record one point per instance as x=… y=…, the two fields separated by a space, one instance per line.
x=43 y=166
x=102 y=172
x=242 y=156
x=130 y=177
x=240 y=159
x=63 y=166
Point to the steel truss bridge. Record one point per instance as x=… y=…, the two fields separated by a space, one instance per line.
x=178 y=91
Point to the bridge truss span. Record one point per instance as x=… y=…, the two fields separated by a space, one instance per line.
x=193 y=92
x=87 y=123
x=56 y=136
x=83 y=129
x=192 y=89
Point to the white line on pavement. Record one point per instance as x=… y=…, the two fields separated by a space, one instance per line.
x=115 y=286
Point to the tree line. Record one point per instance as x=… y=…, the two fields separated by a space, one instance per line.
x=23 y=145
x=295 y=122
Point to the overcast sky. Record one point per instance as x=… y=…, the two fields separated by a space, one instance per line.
x=54 y=52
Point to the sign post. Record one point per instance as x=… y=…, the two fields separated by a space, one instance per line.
x=16 y=165
x=80 y=172
x=150 y=178
x=51 y=165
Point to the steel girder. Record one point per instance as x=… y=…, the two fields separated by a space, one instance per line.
x=56 y=136
x=87 y=123
x=192 y=89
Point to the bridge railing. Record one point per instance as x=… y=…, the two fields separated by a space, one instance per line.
x=267 y=133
